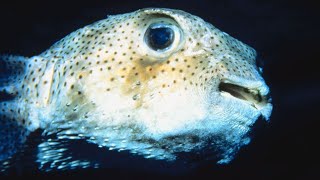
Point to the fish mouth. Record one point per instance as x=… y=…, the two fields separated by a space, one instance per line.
x=251 y=96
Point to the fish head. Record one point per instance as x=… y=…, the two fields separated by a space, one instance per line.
x=162 y=81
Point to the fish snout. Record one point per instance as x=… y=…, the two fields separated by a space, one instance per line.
x=255 y=94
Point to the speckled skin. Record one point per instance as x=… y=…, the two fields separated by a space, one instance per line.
x=103 y=83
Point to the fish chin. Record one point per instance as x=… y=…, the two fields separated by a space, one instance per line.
x=219 y=143
x=219 y=135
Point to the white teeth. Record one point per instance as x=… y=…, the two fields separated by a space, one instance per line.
x=254 y=91
x=263 y=89
x=226 y=94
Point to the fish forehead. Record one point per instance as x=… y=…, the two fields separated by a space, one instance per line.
x=118 y=40
x=117 y=26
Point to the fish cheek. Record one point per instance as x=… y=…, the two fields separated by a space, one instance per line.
x=76 y=104
x=139 y=77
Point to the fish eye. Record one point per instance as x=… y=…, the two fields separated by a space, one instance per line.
x=159 y=36
x=162 y=37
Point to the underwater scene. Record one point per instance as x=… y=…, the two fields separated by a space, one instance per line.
x=159 y=89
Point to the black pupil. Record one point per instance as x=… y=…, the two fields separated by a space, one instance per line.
x=160 y=38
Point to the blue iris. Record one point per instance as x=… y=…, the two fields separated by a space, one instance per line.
x=159 y=38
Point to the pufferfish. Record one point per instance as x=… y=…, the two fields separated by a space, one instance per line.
x=155 y=82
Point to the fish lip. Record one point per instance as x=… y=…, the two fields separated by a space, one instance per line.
x=254 y=94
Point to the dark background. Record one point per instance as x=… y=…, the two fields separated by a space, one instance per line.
x=286 y=37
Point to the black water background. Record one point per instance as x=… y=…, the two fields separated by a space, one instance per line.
x=284 y=33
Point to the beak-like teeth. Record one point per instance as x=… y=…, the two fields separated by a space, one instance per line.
x=253 y=96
